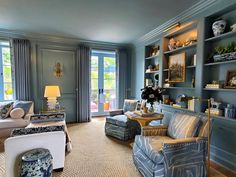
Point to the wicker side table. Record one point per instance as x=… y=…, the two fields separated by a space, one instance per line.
x=36 y=163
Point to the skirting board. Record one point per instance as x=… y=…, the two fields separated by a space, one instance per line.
x=223 y=158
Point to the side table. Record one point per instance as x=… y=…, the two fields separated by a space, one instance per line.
x=144 y=120
x=36 y=162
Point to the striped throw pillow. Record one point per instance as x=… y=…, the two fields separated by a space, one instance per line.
x=183 y=126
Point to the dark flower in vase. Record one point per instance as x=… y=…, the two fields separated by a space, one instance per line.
x=151 y=94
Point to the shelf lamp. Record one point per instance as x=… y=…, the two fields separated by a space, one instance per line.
x=51 y=93
x=172 y=26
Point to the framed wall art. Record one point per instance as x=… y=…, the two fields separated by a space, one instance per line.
x=177 y=68
x=231 y=79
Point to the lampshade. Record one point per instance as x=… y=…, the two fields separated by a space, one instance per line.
x=52 y=91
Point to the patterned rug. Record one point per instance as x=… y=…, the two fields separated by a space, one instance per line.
x=94 y=154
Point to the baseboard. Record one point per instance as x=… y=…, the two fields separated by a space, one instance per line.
x=223 y=158
x=222 y=169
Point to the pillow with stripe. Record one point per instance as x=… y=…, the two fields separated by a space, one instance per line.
x=183 y=126
x=203 y=130
x=5 y=110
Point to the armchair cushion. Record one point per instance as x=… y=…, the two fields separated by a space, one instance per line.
x=120 y=120
x=183 y=126
x=151 y=146
x=130 y=105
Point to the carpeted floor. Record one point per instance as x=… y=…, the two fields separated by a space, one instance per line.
x=94 y=154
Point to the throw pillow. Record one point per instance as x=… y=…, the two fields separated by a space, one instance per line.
x=17 y=113
x=130 y=105
x=5 y=110
x=27 y=131
x=25 y=105
x=183 y=126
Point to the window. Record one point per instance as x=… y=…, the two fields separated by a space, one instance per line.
x=6 y=85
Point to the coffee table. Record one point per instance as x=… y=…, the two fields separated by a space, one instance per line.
x=142 y=119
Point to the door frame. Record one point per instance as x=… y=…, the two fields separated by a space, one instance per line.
x=101 y=111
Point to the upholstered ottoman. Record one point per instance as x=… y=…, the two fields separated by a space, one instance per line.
x=121 y=127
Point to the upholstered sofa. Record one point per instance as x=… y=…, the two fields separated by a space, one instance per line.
x=174 y=150
x=22 y=140
x=119 y=126
x=8 y=124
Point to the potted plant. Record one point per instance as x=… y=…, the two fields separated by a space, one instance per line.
x=222 y=53
x=151 y=94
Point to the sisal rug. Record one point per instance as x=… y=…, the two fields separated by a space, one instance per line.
x=94 y=154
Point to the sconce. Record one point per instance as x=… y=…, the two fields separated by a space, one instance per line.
x=58 y=70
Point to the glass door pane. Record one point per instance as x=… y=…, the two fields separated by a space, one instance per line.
x=94 y=84
x=110 y=83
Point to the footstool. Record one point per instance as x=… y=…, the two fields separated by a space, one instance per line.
x=36 y=163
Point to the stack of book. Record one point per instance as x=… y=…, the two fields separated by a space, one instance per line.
x=214 y=86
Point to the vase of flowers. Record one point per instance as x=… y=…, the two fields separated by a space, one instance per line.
x=151 y=95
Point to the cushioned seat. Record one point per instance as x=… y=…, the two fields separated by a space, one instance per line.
x=120 y=120
x=12 y=123
x=119 y=126
x=151 y=146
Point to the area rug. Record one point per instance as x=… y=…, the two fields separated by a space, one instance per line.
x=94 y=154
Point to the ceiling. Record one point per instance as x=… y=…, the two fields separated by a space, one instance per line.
x=117 y=21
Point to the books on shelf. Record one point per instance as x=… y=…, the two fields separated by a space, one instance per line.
x=215 y=111
x=214 y=86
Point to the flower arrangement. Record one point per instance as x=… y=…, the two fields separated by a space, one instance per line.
x=151 y=94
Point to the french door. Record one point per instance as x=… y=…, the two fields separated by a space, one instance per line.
x=103 y=82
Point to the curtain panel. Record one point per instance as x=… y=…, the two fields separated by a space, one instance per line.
x=123 y=76
x=83 y=84
x=21 y=60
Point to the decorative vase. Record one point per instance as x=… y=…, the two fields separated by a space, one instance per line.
x=218 y=27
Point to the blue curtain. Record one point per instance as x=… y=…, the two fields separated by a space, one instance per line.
x=123 y=77
x=21 y=60
x=83 y=84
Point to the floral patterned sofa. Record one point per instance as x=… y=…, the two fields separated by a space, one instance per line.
x=176 y=150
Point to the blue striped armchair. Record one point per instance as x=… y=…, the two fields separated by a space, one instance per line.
x=176 y=150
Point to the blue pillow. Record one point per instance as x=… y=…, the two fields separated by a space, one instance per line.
x=25 y=105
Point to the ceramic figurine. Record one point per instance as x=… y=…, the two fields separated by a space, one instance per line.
x=233 y=27
x=172 y=44
x=218 y=27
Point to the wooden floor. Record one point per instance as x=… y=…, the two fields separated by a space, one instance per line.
x=222 y=170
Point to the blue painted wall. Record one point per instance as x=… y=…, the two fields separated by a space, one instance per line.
x=223 y=145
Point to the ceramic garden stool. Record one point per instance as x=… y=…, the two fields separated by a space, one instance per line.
x=36 y=163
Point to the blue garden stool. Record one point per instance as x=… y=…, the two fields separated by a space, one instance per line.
x=36 y=163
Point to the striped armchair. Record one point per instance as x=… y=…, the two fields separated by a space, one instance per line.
x=176 y=150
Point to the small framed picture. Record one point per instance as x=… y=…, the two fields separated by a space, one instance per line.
x=138 y=107
x=231 y=79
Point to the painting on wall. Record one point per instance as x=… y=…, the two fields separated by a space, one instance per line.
x=231 y=79
x=177 y=68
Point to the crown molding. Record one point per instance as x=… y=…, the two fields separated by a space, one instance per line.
x=9 y=34
x=184 y=16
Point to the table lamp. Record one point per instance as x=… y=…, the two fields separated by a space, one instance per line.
x=51 y=93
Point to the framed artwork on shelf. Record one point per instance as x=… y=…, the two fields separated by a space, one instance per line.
x=177 y=66
x=231 y=79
